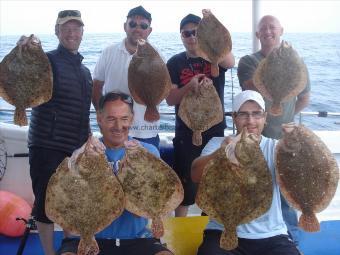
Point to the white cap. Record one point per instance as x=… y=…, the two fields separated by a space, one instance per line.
x=245 y=96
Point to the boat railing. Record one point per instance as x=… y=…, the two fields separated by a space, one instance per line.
x=322 y=114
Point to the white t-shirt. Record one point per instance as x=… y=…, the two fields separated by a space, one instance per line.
x=269 y=224
x=112 y=68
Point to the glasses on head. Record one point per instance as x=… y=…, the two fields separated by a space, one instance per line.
x=142 y=25
x=67 y=13
x=113 y=96
x=188 y=33
x=246 y=115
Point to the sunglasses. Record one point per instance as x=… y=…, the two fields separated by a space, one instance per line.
x=246 y=115
x=67 y=13
x=142 y=25
x=188 y=33
x=113 y=96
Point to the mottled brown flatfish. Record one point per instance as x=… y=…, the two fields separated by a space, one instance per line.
x=280 y=76
x=236 y=186
x=152 y=189
x=148 y=79
x=26 y=78
x=84 y=196
x=200 y=109
x=214 y=40
x=307 y=173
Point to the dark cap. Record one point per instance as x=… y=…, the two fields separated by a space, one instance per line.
x=67 y=15
x=140 y=11
x=190 y=18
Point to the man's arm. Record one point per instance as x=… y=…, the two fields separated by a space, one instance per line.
x=97 y=92
x=198 y=165
x=302 y=102
x=228 y=61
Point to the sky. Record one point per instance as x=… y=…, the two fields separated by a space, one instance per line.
x=38 y=17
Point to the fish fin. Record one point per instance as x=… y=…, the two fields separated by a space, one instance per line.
x=228 y=240
x=151 y=114
x=215 y=70
x=20 y=117
x=276 y=109
x=197 y=138
x=157 y=228
x=88 y=248
x=309 y=222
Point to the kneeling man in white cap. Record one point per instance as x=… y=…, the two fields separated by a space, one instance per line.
x=266 y=234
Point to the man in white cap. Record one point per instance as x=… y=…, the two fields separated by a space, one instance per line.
x=61 y=125
x=266 y=234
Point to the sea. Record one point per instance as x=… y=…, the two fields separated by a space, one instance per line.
x=320 y=52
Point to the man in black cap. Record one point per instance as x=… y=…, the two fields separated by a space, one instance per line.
x=111 y=72
x=186 y=70
x=61 y=125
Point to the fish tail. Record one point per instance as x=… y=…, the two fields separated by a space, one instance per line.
x=89 y=247
x=20 y=117
x=228 y=240
x=157 y=228
x=309 y=222
x=214 y=70
x=197 y=138
x=151 y=114
x=276 y=109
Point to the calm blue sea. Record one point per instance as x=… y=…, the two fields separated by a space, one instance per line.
x=320 y=52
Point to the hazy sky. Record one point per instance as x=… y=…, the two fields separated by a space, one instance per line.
x=26 y=17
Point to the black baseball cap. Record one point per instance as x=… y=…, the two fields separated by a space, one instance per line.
x=140 y=11
x=190 y=18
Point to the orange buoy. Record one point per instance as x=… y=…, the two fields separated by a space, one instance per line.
x=11 y=207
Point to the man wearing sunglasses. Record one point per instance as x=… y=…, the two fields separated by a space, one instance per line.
x=111 y=72
x=61 y=125
x=269 y=32
x=128 y=234
x=186 y=71
x=266 y=234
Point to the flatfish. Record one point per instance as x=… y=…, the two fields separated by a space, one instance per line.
x=307 y=173
x=148 y=79
x=280 y=76
x=84 y=196
x=214 y=40
x=236 y=186
x=200 y=109
x=26 y=78
x=152 y=189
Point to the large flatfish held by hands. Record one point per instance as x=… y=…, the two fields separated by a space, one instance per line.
x=152 y=189
x=236 y=186
x=84 y=196
x=148 y=79
x=26 y=78
x=214 y=40
x=307 y=173
x=200 y=109
x=280 y=76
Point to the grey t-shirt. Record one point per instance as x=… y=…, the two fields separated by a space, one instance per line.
x=246 y=68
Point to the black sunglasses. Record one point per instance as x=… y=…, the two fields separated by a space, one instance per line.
x=142 y=25
x=188 y=33
x=113 y=96
x=67 y=13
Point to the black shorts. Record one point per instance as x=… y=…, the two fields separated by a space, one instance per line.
x=140 y=246
x=278 y=245
x=43 y=163
x=184 y=153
